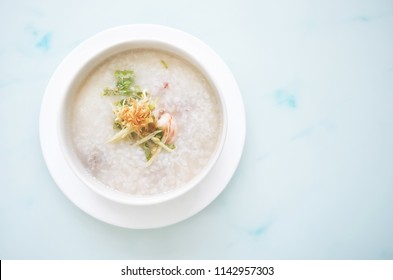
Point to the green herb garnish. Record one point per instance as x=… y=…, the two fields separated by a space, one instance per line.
x=163 y=62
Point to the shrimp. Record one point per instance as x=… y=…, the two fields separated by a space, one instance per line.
x=167 y=123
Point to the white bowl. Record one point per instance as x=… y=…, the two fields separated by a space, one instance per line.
x=95 y=50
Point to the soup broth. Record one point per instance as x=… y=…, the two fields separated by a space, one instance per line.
x=177 y=87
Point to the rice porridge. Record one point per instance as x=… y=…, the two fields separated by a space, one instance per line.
x=172 y=89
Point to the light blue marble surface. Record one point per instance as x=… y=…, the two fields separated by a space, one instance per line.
x=316 y=177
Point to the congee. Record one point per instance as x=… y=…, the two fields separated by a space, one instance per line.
x=145 y=122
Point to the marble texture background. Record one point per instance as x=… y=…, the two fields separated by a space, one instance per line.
x=316 y=177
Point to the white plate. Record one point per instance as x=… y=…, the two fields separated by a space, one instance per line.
x=157 y=215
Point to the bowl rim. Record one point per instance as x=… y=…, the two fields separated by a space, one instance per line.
x=107 y=43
